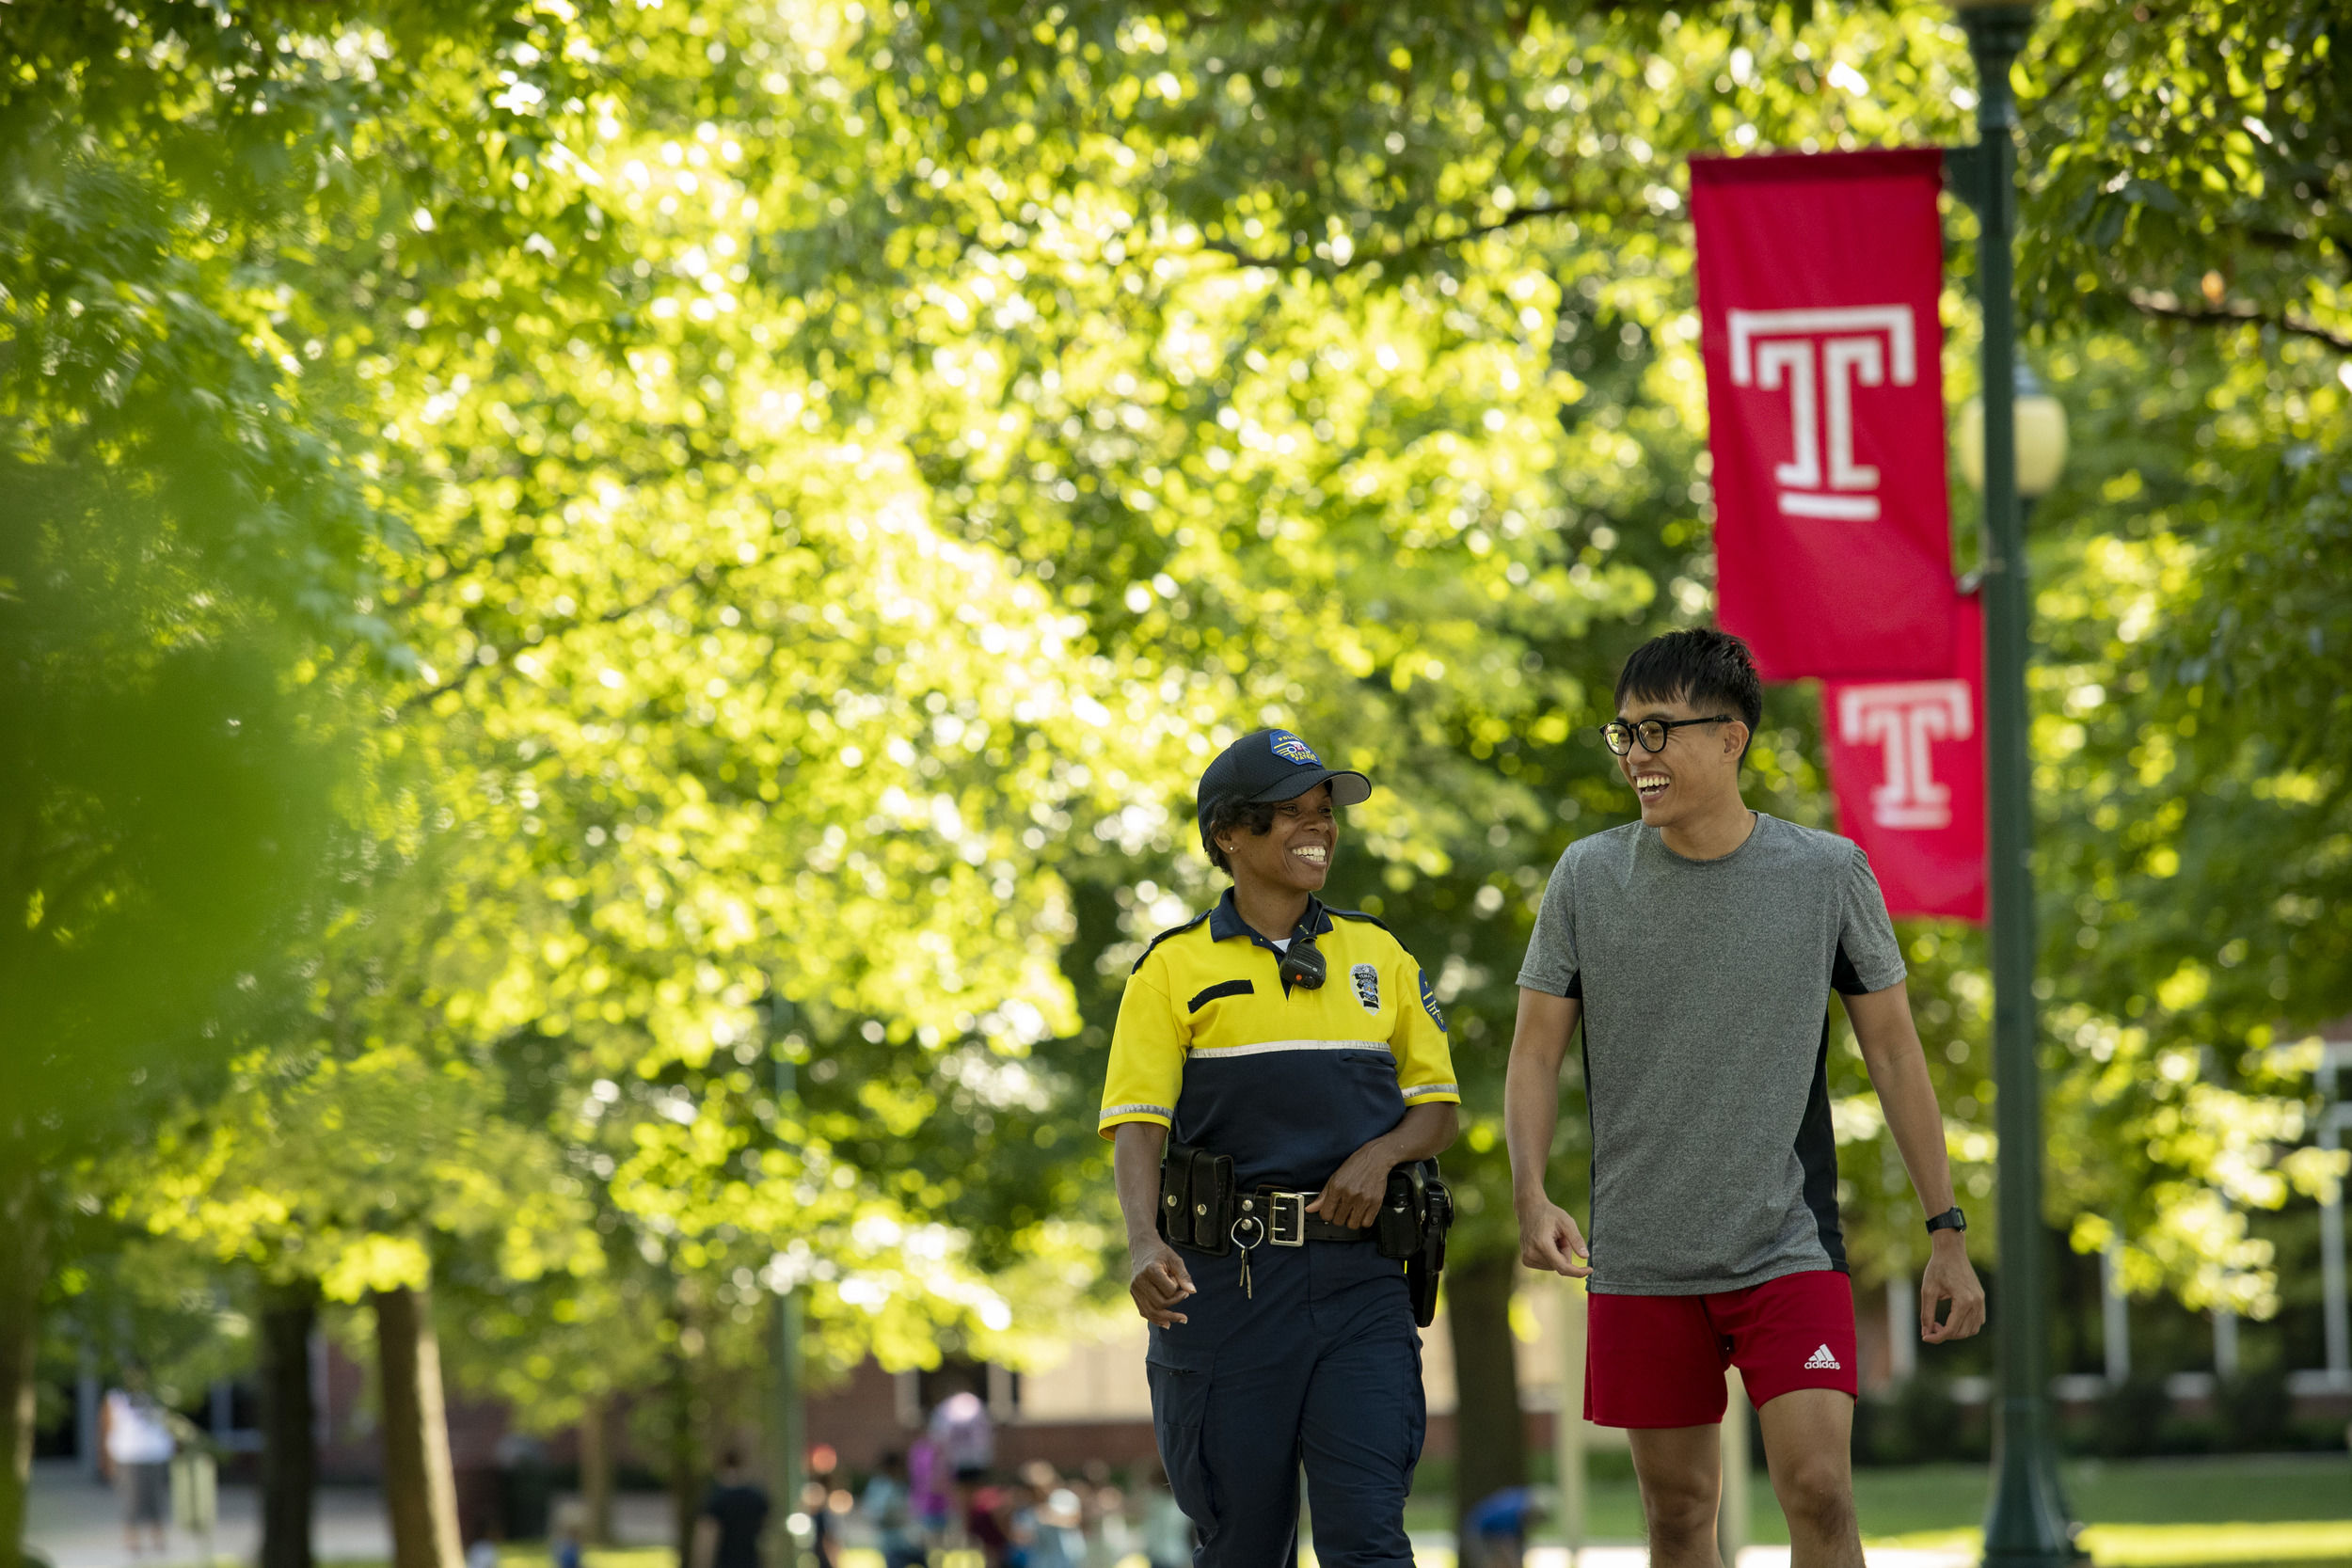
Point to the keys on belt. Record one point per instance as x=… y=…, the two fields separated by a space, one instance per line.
x=1270 y=1217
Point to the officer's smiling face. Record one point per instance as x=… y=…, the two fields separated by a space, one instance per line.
x=1295 y=853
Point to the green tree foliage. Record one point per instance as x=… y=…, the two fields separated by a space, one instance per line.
x=182 y=528
x=2189 y=272
x=785 y=499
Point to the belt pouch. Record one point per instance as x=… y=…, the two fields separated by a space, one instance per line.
x=1213 y=1202
x=1176 y=1195
x=1196 y=1199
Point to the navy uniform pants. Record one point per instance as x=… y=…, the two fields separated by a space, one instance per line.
x=1321 y=1366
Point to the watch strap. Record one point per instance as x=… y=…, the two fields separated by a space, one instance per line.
x=1950 y=1219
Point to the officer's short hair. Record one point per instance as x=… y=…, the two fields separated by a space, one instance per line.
x=1703 y=667
x=1251 y=816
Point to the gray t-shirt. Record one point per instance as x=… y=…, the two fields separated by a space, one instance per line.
x=1706 y=992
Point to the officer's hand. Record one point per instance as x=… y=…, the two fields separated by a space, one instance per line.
x=1949 y=1277
x=1355 y=1192
x=1549 y=1240
x=1158 y=1281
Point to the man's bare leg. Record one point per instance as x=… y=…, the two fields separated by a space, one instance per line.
x=1809 y=1443
x=1680 y=1469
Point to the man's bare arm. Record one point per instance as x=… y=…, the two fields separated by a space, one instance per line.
x=1548 y=1238
x=1156 y=1276
x=1898 y=1071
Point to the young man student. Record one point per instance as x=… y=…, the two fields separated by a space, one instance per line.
x=1698 y=947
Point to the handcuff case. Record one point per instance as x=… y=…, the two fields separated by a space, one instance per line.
x=1197 y=1196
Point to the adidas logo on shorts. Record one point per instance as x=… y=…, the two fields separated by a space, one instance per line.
x=1822 y=1361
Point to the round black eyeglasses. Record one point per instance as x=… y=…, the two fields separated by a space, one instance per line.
x=1651 y=733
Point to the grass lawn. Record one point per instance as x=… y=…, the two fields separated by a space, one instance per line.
x=2141 y=1492
x=2140 y=1511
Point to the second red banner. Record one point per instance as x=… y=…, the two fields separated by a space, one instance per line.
x=1906 y=761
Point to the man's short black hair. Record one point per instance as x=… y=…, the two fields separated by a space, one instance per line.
x=1251 y=816
x=1705 y=668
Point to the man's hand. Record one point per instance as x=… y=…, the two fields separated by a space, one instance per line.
x=1356 y=1191
x=1548 y=1239
x=1157 y=1281
x=1949 y=1277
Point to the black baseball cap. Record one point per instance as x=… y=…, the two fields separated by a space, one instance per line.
x=1274 y=765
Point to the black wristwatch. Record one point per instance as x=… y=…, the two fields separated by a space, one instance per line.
x=1950 y=1219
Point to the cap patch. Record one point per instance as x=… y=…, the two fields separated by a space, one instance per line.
x=1291 y=749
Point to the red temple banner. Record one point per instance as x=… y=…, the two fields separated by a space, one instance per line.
x=1906 y=760
x=1819 y=277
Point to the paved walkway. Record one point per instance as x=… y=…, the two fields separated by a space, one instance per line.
x=76 y=1523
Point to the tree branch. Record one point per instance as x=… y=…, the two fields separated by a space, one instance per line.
x=1508 y=220
x=514 y=544
x=474 y=667
x=2156 y=304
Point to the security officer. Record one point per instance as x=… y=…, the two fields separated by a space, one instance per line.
x=1285 y=1334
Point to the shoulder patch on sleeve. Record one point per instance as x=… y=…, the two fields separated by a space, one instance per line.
x=1171 y=931
x=1429 y=1000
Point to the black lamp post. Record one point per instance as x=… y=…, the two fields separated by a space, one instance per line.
x=2027 y=1525
x=789 y=1417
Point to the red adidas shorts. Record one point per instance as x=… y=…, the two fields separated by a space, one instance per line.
x=1659 y=1361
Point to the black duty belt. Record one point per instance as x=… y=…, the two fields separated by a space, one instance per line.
x=1202 y=1208
x=1287 y=1222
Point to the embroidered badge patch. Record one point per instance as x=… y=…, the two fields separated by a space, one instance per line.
x=1368 y=987
x=1429 y=1000
x=1291 y=749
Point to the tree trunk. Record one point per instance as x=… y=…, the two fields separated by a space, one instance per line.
x=685 y=1468
x=419 y=1489
x=595 y=1473
x=290 y=1455
x=23 y=1271
x=1489 y=1431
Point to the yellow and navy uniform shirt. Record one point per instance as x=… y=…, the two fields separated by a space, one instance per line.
x=1289 y=1082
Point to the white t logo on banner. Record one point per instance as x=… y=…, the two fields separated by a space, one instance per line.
x=1905 y=717
x=1863 y=345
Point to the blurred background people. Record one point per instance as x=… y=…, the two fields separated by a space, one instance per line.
x=825 y=1504
x=570 y=1525
x=732 y=1516
x=988 y=1521
x=1108 y=1540
x=1166 y=1533
x=889 y=1508
x=137 y=1447
x=966 y=1437
x=929 y=1492
x=1495 y=1531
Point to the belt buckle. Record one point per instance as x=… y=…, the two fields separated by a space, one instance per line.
x=1287 y=1224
